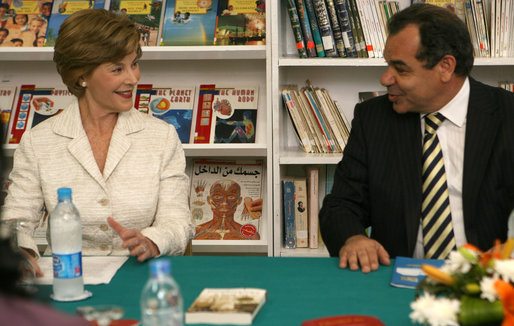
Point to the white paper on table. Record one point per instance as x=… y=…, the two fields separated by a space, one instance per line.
x=95 y=269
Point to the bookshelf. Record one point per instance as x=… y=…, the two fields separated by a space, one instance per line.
x=343 y=78
x=188 y=65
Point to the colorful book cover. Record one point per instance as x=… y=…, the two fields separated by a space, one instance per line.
x=289 y=213
x=407 y=272
x=297 y=29
x=62 y=10
x=241 y=22
x=301 y=212
x=26 y=22
x=225 y=198
x=35 y=105
x=189 y=22
x=226 y=114
x=171 y=104
x=7 y=95
x=146 y=14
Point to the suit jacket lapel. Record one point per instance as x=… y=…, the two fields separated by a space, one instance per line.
x=482 y=123
x=128 y=122
x=69 y=124
x=408 y=140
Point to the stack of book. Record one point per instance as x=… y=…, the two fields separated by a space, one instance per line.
x=319 y=121
x=300 y=210
x=340 y=28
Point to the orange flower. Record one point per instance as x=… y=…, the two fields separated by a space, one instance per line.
x=506 y=293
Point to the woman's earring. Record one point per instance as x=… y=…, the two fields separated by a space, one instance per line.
x=83 y=84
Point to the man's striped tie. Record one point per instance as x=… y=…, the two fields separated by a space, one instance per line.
x=438 y=237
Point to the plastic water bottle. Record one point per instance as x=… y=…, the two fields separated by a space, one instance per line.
x=161 y=300
x=66 y=241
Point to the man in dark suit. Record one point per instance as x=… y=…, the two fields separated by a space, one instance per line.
x=379 y=182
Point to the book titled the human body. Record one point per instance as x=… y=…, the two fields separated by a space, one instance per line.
x=189 y=22
x=34 y=105
x=226 y=114
x=407 y=271
x=235 y=306
x=171 y=104
x=221 y=198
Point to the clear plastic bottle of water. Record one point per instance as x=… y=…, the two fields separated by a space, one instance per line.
x=161 y=300
x=66 y=242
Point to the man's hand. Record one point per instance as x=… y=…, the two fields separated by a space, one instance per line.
x=135 y=241
x=363 y=251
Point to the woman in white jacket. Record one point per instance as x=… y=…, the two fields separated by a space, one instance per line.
x=126 y=168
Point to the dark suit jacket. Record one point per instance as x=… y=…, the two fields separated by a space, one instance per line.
x=378 y=181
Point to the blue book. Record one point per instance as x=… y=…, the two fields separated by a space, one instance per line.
x=173 y=105
x=62 y=10
x=186 y=24
x=289 y=214
x=407 y=271
x=316 y=35
x=306 y=28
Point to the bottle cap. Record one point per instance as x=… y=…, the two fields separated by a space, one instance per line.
x=160 y=266
x=63 y=193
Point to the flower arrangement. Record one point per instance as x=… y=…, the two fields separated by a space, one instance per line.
x=471 y=288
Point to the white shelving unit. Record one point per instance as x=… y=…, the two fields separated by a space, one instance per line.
x=344 y=79
x=191 y=65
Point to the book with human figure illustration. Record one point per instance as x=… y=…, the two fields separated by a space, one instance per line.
x=34 y=105
x=172 y=104
x=226 y=114
x=226 y=199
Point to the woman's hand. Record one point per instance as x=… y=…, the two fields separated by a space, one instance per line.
x=135 y=241
x=31 y=267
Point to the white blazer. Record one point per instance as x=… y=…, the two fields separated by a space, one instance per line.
x=143 y=184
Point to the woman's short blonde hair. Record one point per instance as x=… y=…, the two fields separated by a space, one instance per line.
x=89 y=38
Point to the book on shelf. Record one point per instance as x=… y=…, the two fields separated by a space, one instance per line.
x=305 y=24
x=147 y=15
x=241 y=22
x=300 y=126
x=312 y=174
x=509 y=86
x=35 y=104
x=62 y=10
x=355 y=22
x=325 y=28
x=455 y=6
x=171 y=104
x=289 y=213
x=223 y=196
x=407 y=272
x=346 y=28
x=234 y=306
x=297 y=29
x=301 y=212
x=7 y=96
x=26 y=22
x=330 y=174
x=189 y=22
x=366 y=95
x=226 y=114
x=316 y=35
x=336 y=28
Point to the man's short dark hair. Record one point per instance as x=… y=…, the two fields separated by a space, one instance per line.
x=441 y=33
x=4 y=30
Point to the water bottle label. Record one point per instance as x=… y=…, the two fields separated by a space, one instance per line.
x=67 y=266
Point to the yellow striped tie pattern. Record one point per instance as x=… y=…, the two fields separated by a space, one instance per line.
x=438 y=237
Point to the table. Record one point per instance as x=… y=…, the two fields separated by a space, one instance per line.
x=298 y=288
